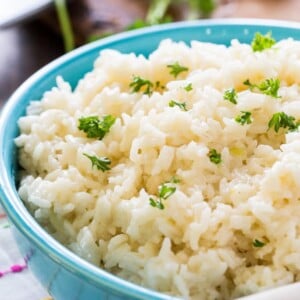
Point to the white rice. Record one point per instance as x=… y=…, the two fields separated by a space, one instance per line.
x=200 y=246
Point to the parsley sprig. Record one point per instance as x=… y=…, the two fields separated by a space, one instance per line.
x=165 y=190
x=261 y=42
x=181 y=105
x=258 y=244
x=282 y=120
x=268 y=87
x=176 y=69
x=101 y=163
x=214 y=156
x=139 y=84
x=189 y=87
x=230 y=95
x=95 y=127
x=244 y=118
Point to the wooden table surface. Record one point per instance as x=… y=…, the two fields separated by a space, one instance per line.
x=26 y=47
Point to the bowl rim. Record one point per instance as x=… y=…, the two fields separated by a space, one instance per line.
x=14 y=207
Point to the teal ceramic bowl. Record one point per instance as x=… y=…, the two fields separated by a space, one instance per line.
x=62 y=273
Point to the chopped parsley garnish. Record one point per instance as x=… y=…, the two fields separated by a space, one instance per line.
x=101 y=163
x=258 y=244
x=214 y=156
x=261 y=42
x=165 y=190
x=282 y=120
x=181 y=105
x=244 y=118
x=230 y=95
x=268 y=87
x=176 y=69
x=158 y=85
x=188 y=87
x=156 y=203
x=139 y=84
x=95 y=127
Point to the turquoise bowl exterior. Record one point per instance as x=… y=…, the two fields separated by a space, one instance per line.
x=62 y=273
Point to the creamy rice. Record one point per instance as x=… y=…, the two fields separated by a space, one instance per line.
x=231 y=227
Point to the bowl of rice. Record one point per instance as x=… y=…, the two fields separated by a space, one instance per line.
x=160 y=163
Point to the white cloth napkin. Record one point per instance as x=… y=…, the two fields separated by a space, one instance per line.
x=16 y=280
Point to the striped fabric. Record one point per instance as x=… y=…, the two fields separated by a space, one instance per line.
x=16 y=281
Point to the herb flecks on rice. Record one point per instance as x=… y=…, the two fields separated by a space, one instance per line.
x=190 y=203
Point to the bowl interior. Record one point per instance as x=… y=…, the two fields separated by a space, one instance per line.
x=74 y=65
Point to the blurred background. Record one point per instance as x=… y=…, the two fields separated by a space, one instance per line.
x=34 y=32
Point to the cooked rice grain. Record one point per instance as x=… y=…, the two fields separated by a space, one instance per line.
x=201 y=245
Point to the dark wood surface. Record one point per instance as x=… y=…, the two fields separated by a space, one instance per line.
x=24 y=49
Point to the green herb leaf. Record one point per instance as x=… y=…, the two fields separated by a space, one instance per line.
x=157 y=10
x=261 y=42
x=176 y=69
x=214 y=156
x=151 y=20
x=97 y=36
x=181 y=105
x=94 y=127
x=244 y=118
x=138 y=23
x=165 y=191
x=139 y=84
x=249 y=84
x=204 y=7
x=230 y=95
x=268 y=87
x=156 y=203
x=188 y=87
x=159 y=86
x=258 y=244
x=101 y=163
x=282 y=120
x=65 y=24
